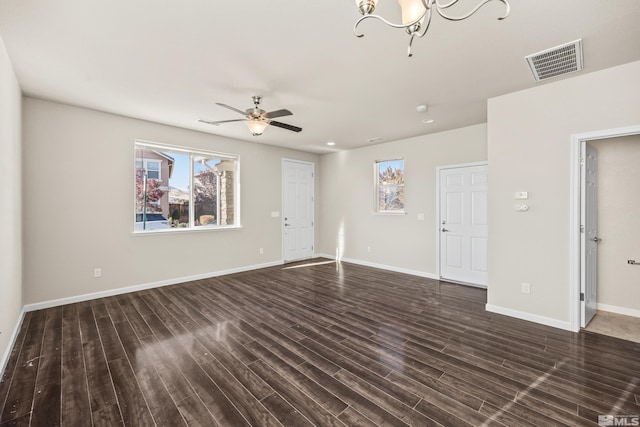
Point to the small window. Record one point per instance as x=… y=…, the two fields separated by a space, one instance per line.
x=389 y=186
x=153 y=169
x=178 y=189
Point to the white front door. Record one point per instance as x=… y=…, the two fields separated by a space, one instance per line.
x=589 y=237
x=463 y=224
x=297 y=210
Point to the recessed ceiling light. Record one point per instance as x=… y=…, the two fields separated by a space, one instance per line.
x=422 y=108
x=331 y=143
x=427 y=121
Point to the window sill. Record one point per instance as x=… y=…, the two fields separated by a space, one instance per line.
x=185 y=230
x=398 y=213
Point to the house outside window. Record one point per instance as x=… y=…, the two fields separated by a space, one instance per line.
x=389 y=186
x=178 y=189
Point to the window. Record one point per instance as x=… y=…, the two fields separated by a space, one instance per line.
x=389 y=186
x=178 y=189
x=151 y=167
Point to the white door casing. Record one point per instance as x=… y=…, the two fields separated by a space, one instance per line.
x=297 y=209
x=463 y=225
x=589 y=237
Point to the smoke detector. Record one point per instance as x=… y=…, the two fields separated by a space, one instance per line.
x=556 y=61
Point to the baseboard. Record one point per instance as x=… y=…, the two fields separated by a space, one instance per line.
x=547 y=321
x=135 y=288
x=12 y=342
x=383 y=267
x=618 y=310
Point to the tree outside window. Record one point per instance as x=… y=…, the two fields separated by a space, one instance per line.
x=389 y=185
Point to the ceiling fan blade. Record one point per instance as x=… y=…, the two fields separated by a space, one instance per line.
x=278 y=113
x=285 y=126
x=231 y=108
x=219 y=122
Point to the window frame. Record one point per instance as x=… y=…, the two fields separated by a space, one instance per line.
x=190 y=152
x=377 y=187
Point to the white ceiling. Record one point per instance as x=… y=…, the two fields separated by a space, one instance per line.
x=169 y=61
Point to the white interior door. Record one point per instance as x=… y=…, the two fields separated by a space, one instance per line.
x=463 y=224
x=589 y=236
x=297 y=210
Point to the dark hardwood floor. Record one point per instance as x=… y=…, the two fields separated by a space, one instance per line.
x=324 y=345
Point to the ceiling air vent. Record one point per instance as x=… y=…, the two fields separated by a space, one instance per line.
x=556 y=61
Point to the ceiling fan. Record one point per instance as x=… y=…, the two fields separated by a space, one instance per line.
x=256 y=118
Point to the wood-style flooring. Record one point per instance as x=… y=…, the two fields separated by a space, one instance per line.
x=325 y=345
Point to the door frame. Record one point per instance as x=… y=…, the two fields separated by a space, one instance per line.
x=313 y=204
x=437 y=215
x=576 y=255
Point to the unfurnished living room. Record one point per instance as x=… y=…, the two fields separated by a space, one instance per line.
x=326 y=213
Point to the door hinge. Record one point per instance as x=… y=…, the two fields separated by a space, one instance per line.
x=582 y=228
x=581 y=161
x=581 y=296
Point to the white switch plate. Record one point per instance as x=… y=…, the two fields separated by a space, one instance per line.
x=97 y=272
x=526 y=288
x=521 y=208
x=420 y=217
x=522 y=195
x=275 y=214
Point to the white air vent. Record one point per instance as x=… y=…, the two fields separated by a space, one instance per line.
x=556 y=61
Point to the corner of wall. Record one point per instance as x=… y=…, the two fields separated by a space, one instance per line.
x=11 y=189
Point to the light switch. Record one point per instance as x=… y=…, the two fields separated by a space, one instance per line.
x=522 y=195
x=275 y=214
x=420 y=217
x=522 y=208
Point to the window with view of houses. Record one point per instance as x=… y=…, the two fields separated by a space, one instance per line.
x=179 y=189
x=389 y=186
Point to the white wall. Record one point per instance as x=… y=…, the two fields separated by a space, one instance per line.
x=529 y=150
x=619 y=222
x=78 y=212
x=348 y=223
x=10 y=203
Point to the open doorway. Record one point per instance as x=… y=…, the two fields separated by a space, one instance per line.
x=618 y=294
x=602 y=232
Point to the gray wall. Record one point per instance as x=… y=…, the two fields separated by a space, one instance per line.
x=78 y=205
x=349 y=224
x=619 y=223
x=10 y=203
x=529 y=150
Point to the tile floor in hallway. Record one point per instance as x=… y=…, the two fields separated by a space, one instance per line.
x=615 y=325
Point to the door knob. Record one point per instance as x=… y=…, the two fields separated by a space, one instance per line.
x=286 y=225
x=444 y=230
x=596 y=239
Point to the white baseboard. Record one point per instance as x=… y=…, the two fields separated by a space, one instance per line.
x=119 y=291
x=547 y=321
x=12 y=341
x=384 y=267
x=618 y=310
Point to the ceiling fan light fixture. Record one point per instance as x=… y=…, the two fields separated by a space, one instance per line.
x=256 y=126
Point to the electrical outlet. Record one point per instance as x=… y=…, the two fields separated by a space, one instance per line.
x=261 y=250
x=368 y=248
x=526 y=288
x=97 y=272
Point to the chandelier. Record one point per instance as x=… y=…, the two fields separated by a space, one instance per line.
x=416 y=15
